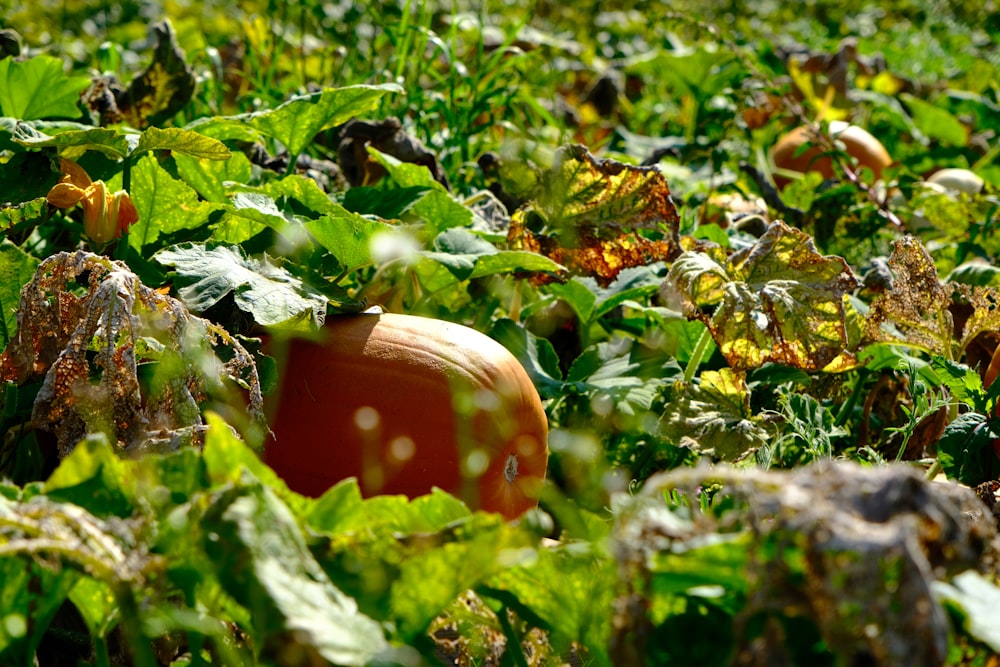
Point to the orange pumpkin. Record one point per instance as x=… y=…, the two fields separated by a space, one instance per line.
x=865 y=149
x=405 y=404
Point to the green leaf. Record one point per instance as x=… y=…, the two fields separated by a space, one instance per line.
x=303 y=190
x=713 y=416
x=778 y=301
x=39 y=88
x=935 y=122
x=180 y=141
x=437 y=207
x=207 y=273
x=261 y=559
x=74 y=143
x=568 y=591
x=965 y=449
x=226 y=457
x=165 y=204
x=579 y=295
x=429 y=580
x=978 y=599
x=345 y=235
x=97 y=605
x=16 y=270
x=25 y=213
x=209 y=176
x=94 y=478
x=298 y=120
x=536 y=355
x=30 y=596
x=248 y=214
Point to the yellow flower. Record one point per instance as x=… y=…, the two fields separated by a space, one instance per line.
x=106 y=215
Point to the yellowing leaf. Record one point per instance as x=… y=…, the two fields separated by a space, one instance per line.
x=713 y=417
x=779 y=301
x=591 y=211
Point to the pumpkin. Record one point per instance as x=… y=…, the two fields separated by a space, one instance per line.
x=865 y=149
x=406 y=404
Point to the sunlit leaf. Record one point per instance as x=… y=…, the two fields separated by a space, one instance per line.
x=26 y=212
x=591 y=211
x=182 y=142
x=16 y=269
x=935 y=122
x=207 y=273
x=466 y=555
x=468 y=255
x=778 y=301
x=347 y=236
x=978 y=598
x=437 y=206
x=298 y=120
x=713 y=417
x=74 y=142
x=39 y=88
x=165 y=204
x=209 y=176
x=566 y=591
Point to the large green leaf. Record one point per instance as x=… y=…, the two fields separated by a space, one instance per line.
x=778 y=301
x=345 y=235
x=248 y=214
x=298 y=120
x=208 y=176
x=165 y=204
x=468 y=255
x=39 y=88
x=207 y=273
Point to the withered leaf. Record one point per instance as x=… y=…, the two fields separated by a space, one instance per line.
x=778 y=301
x=914 y=310
x=86 y=350
x=163 y=88
x=588 y=213
x=713 y=416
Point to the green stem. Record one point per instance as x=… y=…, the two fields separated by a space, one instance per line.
x=848 y=407
x=697 y=356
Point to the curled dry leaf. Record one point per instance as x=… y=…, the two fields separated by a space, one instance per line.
x=586 y=214
x=86 y=351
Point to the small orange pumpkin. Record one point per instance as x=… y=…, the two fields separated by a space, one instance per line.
x=405 y=404
x=865 y=149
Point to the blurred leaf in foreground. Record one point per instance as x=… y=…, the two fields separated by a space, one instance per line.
x=586 y=214
x=778 y=301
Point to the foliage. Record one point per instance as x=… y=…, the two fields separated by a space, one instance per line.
x=566 y=178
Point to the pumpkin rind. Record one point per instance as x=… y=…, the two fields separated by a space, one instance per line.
x=857 y=142
x=406 y=404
